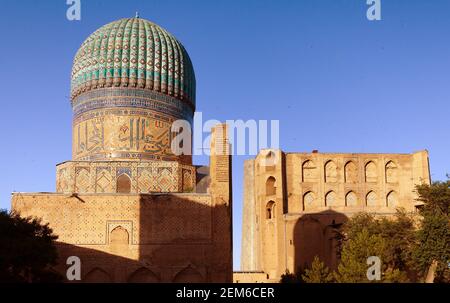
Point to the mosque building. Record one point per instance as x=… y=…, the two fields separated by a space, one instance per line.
x=129 y=207
x=134 y=210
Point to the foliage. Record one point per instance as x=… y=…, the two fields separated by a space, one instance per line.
x=435 y=197
x=433 y=238
x=406 y=246
x=318 y=273
x=398 y=235
x=27 y=250
x=353 y=266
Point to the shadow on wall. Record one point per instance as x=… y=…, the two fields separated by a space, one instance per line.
x=315 y=235
x=152 y=238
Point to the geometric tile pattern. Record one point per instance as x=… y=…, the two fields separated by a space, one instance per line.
x=104 y=180
x=134 y=52
x=145 y=176
x=82 y=182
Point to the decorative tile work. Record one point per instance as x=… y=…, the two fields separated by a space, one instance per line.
x=123 y=170
x=187 y=180
x=166 y=179
x=120 y=135
x=82 y=180
x=146 y=176
x=62 y=181
x=104 y=180
x=133 y=98
x=146 y=180
x=137 y=53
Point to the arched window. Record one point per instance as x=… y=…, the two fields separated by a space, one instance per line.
x=308 y=201
x=330 y=199
x=350 y=172
x=270 y=186
x=391 y=172
x=309 y=171
x=391 y=199
x=270 y=161
x=371 y=172
x=351 y=199
x=331 y=174
x=124 y=184
x=371 y=199
x=270 y=210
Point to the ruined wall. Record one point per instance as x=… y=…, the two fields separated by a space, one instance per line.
x=302 y=198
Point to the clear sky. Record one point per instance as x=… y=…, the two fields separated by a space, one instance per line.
x=336 y=82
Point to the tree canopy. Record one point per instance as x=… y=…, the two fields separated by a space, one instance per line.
x=27 y=250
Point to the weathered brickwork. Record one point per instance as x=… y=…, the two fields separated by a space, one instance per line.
x=293 y=202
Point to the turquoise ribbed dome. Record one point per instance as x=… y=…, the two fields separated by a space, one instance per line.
x=134 y=52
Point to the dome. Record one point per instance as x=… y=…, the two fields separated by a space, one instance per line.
x=136 y=53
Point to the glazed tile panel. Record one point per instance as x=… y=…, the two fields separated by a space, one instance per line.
x=145 y=176
x=134 y=52
x=125 y=123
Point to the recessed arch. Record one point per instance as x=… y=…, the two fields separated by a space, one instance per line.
x=350 y=172
x=309 y=199
x=371 y=199
x=119 y=236
x=269 y=161
x=188 y=275
x=143 y=275
x=391 y=172
x=270 y=210
x=123 y=184
x=392 y=199
x=371 y=172
x=351 y=199
x=331 y=173
x=309 y=171
x=271 y=186
x=331 y=199
x=97 y=275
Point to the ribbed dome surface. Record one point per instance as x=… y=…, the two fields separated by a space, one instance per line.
x=134 y=52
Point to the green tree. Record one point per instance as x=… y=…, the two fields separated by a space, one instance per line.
x=398 y=233
x=356 y=250
x=318 y=273
x=431 y=255
x=27 y=250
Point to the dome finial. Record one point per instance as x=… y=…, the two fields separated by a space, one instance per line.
x=137 y=15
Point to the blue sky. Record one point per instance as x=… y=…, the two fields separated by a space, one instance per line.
x=336 y=82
